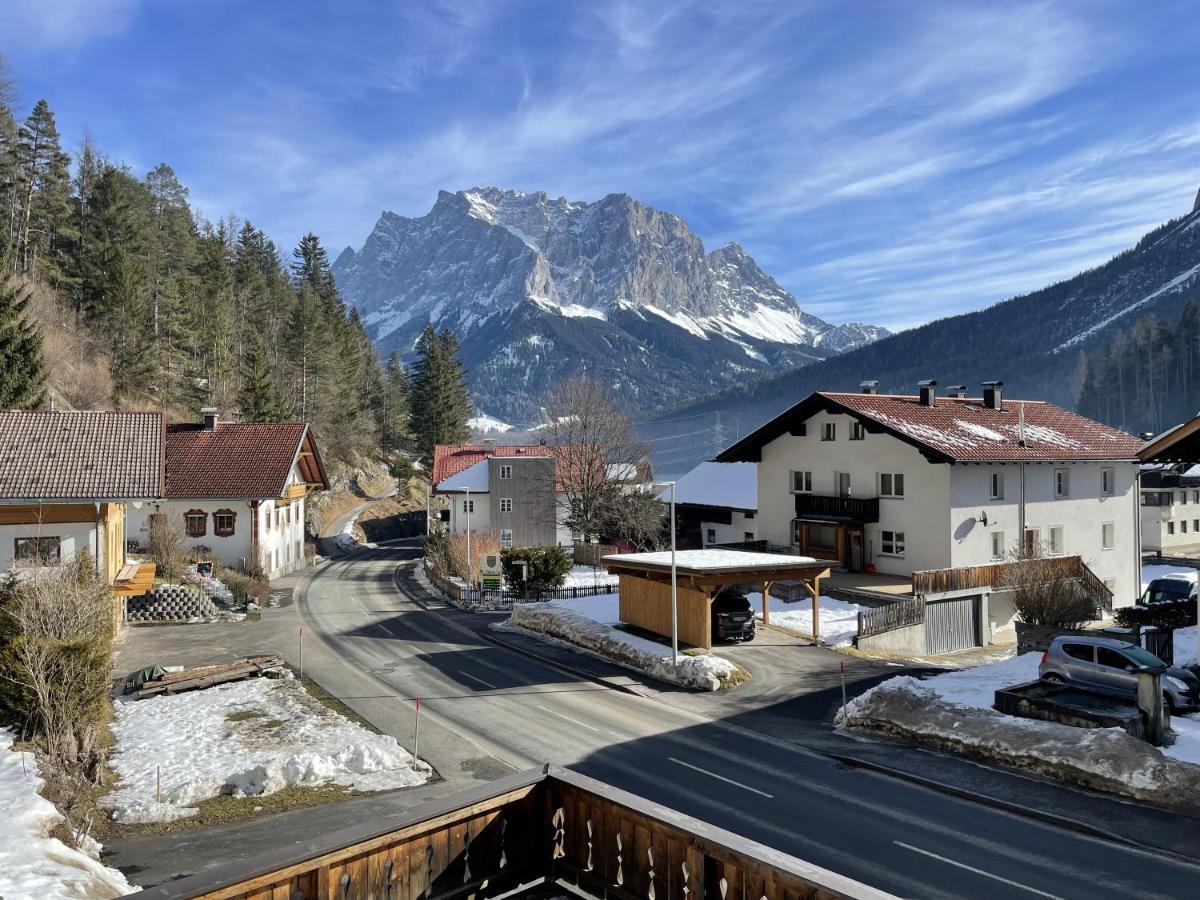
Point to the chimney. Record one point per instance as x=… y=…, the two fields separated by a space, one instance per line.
x=993 y=394
x=928 y=392
x=870 y=387
x=489 y=444
x=957 y=391
x=212 y=417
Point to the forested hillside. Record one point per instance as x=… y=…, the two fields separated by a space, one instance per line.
x=136 y=301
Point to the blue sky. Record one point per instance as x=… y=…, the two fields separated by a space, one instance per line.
x=886 y=162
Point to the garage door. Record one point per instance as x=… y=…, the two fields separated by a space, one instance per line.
x=951 y=624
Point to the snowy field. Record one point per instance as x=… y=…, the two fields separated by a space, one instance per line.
x=839 y=620
x=247 y=738
x=32 y=865
x=586 y=576
x=588 y=622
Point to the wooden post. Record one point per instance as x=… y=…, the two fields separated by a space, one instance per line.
x=766 y=602
x=814 y=588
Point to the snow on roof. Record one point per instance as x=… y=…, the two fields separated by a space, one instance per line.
x=474 y=478
x=711 y=560
x=718 y=484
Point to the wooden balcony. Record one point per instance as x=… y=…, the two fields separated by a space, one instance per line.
x=529 y=831
x=295 y=492
x=134 y=579
x=840 y=509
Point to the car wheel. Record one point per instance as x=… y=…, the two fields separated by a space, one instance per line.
x=1053 y=678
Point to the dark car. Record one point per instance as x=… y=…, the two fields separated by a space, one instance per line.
x=1177 y=588
x=732 y=616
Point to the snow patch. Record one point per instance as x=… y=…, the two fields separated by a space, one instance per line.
x=1174 y=284
x=839 y=620
x=485 y=423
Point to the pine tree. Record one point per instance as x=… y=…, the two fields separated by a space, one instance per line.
x=8 y=172
x=441 y=404
x=22 y=375
x=43 y=172
x=306 y=342
x=259 y=399
x=394 y=411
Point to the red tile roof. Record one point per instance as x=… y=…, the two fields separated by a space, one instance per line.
x=72 y=456
x=238 y=460
x=960 y=429
x=450 y=459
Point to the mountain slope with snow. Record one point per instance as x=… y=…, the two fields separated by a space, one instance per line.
x=537 y=287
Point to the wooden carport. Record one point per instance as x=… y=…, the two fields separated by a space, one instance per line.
x=645 y=586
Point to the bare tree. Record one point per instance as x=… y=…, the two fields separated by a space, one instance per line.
x=482 y=544
x=166 y=546
x=1046 y=590
x=598 y=453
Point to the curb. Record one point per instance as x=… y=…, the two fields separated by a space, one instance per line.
x=488 y=636
x=1003 y=805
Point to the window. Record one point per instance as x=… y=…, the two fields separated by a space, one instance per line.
x=505 y=473
x=891 y=484
x=506 y=504
x=468 y=506
x=46 y=551
x=1108 y=481
x=843 y=484
x=801 y=482
x=997 y=485
x=1033 y=542
x=829 y=431
x=1062 y=483
x=1108 y=538
x=1078 y=651
x=710 y=536
x=997 y=545
x=1196 y=496
x=506 y=538
x=1183 y=498
x=195 y=523
x=822 y=537
x=1111 y=659
x=223 y=522
x=1056 y=540
x=747 y=535
x=1170 y=528
x=1183 y=527
x=858 y=432
x=748 y=515
x=1196 y=525
x=891 y=543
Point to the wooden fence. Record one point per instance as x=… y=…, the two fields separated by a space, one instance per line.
x=550 y=826
x=586 y=554
x=891 y=616
x=966 y=578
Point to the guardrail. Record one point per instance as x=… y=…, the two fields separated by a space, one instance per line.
x=890 y=617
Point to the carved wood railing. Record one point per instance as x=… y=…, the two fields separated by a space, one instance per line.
x=542 y=827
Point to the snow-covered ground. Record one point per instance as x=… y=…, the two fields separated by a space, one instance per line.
x=246 y=738
x=589 y=622
x=346 y=539
x=483 y=423
x=32 y=865
x=1149 y=573
x=586 y=576
x=839 y=620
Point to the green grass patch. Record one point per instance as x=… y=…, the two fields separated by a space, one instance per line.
x=244 y=715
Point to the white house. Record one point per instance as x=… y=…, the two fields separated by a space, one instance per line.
x=900 y=484
x=716 y=503
x=237 y=489
x=1171 y=509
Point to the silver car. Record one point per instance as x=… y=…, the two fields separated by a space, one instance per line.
x=1110 y=666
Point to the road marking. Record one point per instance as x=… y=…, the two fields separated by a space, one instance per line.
x=954 y=862
x=744 y=787
x=486 y=684
x=568 y=718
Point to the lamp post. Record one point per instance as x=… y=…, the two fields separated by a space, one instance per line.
x=467 y=511
x=674 y=580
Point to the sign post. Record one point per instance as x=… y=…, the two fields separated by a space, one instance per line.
x=417 y=734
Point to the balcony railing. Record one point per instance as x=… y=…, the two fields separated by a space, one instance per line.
x=854 y=509
x=541 y=828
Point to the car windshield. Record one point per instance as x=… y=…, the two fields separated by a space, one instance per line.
x=1142 y=657
x=1166 y=590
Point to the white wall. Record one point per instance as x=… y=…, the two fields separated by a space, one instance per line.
x=1183 y=513
x=481 y=518
x=732 y=533
x=922 y=514
x=74 y=537
x=1081 y=516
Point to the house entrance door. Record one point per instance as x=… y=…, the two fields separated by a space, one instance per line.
x=855 y=562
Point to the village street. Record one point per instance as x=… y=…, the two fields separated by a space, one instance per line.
x=375 y=639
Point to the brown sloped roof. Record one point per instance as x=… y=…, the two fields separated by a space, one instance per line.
x=450 y=459
x=238 y=460
x=959 y=429
x=80 y=456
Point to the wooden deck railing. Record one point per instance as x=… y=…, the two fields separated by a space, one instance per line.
x=966 y=578
x=549 y=826
x=891 y=616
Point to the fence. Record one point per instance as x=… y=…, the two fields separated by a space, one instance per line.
x=475 y=598
x=591 y=554
x=547 y=827
x=892 y=616
x=966 y=578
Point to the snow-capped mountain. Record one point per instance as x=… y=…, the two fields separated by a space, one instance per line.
x=537 y=288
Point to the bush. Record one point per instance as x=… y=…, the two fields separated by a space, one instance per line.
x=1167 y=616
x=166 y=547
x=1047 y=591
x=546 y=567
x=482 y=544
x=437 y=553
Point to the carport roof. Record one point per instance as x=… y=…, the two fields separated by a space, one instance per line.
x=712 y=562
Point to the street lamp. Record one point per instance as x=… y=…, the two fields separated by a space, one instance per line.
x=467 y=510
x=674 y=580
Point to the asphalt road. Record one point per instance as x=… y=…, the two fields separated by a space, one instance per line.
x=380 y=641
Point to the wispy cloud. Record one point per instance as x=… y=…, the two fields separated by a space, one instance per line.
x=41 y=25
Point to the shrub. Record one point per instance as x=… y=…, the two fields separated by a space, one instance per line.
x=1046 y=591
x=482 y=544
x=166 y=547
x=546 y=567
x=1167 y=616
x=437 y=552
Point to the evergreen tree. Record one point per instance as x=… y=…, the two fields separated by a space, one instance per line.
x=394 y=411
x=441 y=404
x=8 y=172
x=45 y=222
x=22 y=376
x=306 y=342
x=259 y=399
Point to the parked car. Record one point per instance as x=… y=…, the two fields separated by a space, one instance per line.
x=1110 y=666
x=732 y=616
x=1173 y=588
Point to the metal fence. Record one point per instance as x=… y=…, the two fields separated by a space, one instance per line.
x=477 y=598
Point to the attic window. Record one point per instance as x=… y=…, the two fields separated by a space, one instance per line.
x=195 y=523
x=224 y=522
